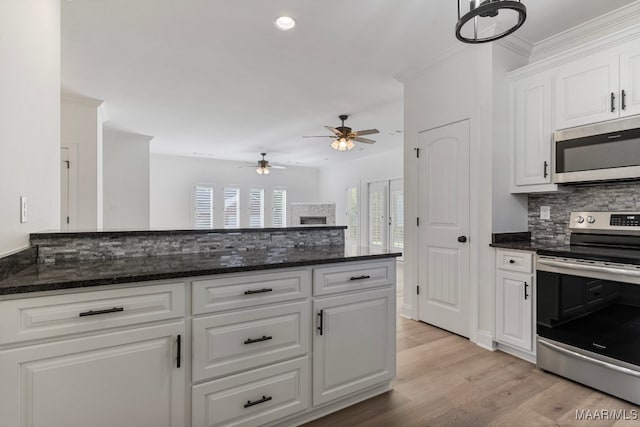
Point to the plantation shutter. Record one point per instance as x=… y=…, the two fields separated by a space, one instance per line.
x=203 y=207
x=256 y=208
x=231 y=207
x=353 y=215
x=279 y=207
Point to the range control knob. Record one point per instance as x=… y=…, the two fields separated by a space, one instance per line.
x=579 y=220
x=591 y=219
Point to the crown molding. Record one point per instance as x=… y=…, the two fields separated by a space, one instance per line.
x=511 y=42
x=597 y=28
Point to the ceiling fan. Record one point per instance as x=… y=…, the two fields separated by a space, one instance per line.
x=264 y=166
x=344 y=136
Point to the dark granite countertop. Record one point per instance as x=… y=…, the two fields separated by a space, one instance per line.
x=517 y=241
x=517 y=245
x=68 y=275
x=168 y=232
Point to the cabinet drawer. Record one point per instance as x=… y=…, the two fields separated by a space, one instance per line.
x=51 y=316
x=253 y=398
x=353 y=276
x=240 y=291
x=231 y=342
x=515 y=261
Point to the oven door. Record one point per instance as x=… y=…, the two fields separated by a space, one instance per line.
x=590 y=306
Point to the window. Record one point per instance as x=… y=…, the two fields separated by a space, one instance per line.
x=280 y=207
x=397 y=230
x=203 y=210
x=376 y=218
x=256 y=208
x=353 y=215
x=231 y=207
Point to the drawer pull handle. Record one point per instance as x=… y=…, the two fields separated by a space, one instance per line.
x=252 y=340
x=257 y=291
x=512 y=261
x=179 y=351
x=105 y=311
x=360 y=277
x=257 y=402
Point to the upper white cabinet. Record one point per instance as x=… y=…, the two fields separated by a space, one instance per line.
x=587 y=91
x=630 y=79
x=532 y=131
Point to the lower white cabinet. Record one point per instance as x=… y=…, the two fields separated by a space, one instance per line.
x=253 y=398
x=515 y=300
x=115 y=379
x=514 y=322
x=354 y=343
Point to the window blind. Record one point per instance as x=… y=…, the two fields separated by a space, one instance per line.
x=231 y=207
x=279 y=207
x=353 y=215
x=256 y=208
x=203 y=207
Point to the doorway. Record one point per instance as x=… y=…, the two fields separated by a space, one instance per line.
x=444 y=221
x=386 y=214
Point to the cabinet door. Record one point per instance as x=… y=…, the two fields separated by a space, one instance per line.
x=630 y=79
x=354 y=343
x=126 y=378
x=585 y=89
x=533 y=131
x=514 y=309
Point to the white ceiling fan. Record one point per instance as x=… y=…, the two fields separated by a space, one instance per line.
x=264 y=166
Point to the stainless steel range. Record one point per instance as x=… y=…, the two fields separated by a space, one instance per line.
x=588 y=306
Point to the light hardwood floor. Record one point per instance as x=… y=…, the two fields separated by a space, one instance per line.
x=445 y=380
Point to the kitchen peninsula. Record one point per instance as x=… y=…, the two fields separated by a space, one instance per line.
x=192 y=327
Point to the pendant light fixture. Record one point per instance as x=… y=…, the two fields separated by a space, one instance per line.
x=467 y=28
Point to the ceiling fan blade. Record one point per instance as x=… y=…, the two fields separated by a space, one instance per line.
x=321 y=136
x=366 y=132
x=334 y=130
x=278 y=167
x=364 y=140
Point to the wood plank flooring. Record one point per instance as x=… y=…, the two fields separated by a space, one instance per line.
x=445 y=380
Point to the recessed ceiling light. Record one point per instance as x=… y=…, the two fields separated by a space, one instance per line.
x=285 y=23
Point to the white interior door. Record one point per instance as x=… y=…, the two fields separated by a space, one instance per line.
x=396 y=218
x=443 y=248
x=64 y=189
x=378 y=214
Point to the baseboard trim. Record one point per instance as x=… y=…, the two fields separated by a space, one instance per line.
x=485 y=340
x=529 y=357
x=329 y=408
x=405 y=311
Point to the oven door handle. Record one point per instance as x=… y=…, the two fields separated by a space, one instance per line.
x=601 y=363
x=588 y=267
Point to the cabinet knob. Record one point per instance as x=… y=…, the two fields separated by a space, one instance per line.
x=462 y=239
x=511 y=261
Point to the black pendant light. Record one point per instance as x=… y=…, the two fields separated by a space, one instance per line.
x=479 y=9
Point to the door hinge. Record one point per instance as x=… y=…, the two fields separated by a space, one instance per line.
x=418 y=221
x=418 y=289
x=417 y=152
x=67 y=220
x=68 y=163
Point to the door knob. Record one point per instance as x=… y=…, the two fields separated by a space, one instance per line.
x=462 y=239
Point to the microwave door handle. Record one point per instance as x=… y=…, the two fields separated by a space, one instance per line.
x=587 y=267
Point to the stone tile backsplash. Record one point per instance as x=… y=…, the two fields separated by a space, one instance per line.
x=78 y=248
x=617 y=196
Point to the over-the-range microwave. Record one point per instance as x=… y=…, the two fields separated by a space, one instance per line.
x=599 y=152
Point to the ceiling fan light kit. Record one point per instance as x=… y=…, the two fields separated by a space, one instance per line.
x=345 y=136
x=479 y=9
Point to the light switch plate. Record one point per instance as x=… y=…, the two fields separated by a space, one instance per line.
x=545 y=212
x=23 y=209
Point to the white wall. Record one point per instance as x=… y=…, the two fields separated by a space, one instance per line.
x=29 y=119
x=81 y=133
x=126 y=179
x=461 y=86
x=174 y=177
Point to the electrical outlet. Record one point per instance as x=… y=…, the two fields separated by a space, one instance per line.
x=23 y=209
x=545 y=212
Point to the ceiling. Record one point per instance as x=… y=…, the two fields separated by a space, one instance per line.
x=215 y=77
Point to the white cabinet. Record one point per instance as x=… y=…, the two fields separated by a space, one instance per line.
x=354 y=343
x=630 y=79
x=587 y=90
x=514 y=299
x=124 y=378
x=532 y=128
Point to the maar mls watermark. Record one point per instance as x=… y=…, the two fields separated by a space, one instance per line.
x=606 y=414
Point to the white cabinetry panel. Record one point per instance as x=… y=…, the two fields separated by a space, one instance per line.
x=630 y=78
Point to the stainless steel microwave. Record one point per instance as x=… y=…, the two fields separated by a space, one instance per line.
x=599 y=152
